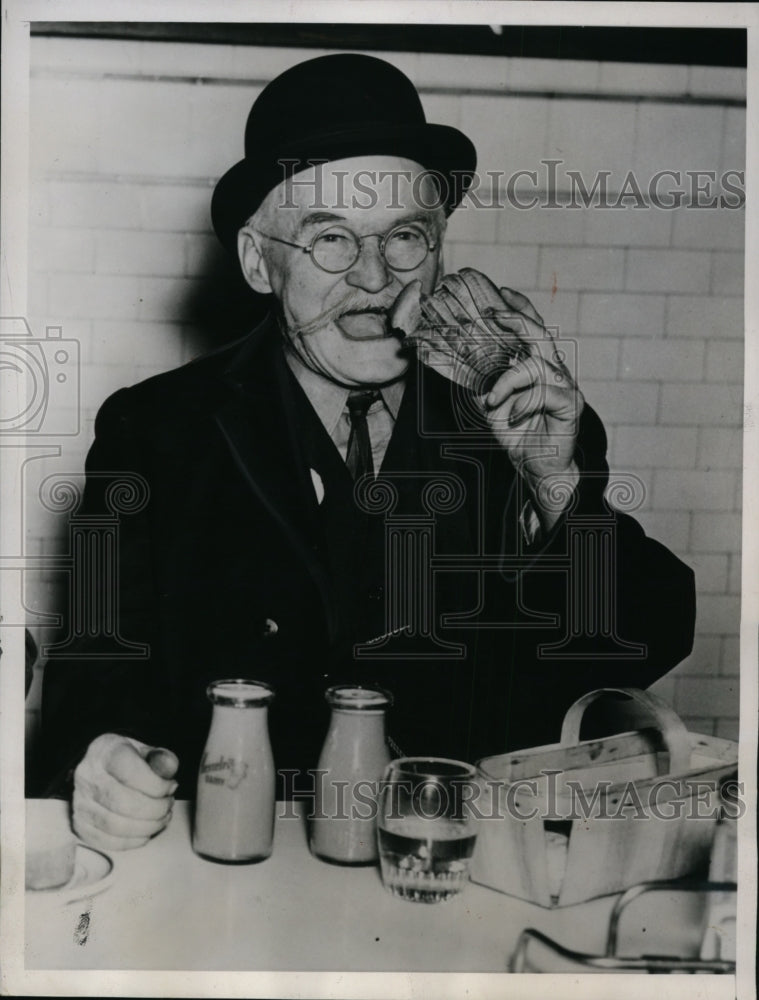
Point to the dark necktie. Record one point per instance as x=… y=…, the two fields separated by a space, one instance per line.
x=359 y=457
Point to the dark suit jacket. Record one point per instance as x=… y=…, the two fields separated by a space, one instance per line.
x=232 y=540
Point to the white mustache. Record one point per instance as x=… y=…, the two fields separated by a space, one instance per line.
x=352 y=302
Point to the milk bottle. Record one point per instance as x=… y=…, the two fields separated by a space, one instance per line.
x=354 y=758
x=234 y=809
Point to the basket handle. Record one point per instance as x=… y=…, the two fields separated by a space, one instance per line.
x=674 y=734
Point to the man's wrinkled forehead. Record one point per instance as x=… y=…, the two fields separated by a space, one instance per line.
x=378 y=184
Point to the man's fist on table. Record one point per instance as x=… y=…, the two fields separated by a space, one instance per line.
x=123 y=792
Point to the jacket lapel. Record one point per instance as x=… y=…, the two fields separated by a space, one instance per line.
x=258 y=427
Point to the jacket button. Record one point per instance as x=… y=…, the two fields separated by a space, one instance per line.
x=270 y=628
x=376 y=593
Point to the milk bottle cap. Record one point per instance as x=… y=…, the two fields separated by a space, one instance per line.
x=239 y=692
x=354 y=698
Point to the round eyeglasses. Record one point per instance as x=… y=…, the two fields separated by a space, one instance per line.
x=337 y=249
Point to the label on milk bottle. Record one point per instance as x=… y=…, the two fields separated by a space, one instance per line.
x=228 y=771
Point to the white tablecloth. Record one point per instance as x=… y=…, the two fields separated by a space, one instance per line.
x=168 y=909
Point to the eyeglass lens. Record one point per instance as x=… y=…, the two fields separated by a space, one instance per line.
x=337 y=249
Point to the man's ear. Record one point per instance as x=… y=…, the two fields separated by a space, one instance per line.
x=252 y=262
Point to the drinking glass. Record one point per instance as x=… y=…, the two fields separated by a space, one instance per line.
x=426 y=828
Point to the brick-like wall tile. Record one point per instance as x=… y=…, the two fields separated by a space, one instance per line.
x=720 y=447
x=442 y=108
x=150 y=133
x=581 y=268
x=734 y=576
x=137 y=253
x=559 y=313
x=734 y=142
x=670 y=527
x=233 y=61
x=700 y=404
x=660 y=447
x=718 y=614
x=727 y=273
x=628 y=403
x=677 y=137
x=703 y=661
x=702 y=695
x=87 y=203
x=724 y=363
x=39 y=202
x=676 y=488
x=513 y=266
x=541 y=225
x=84 y=55
x=717 y=81
x=175 y=208
x=214 y=137
x=100 y=381
x=63 y=124
x=668 y=361
x=711 y=572
x=730 y=655
x=590 y=136
x=441 y=70
x=64 y=250
x=665 y=688
x=509 y=134
x=552 y=74
x=645 y=477
x=104 y=346
x=621 y=315
x=642 y=78
x=667 y=271
x=133 y=343
x=738 y=501
x=708 y=228
x=628 y=227
x=79 y=330
x=101 y=296
x=715 y=531
x=717 y=318
x=597 y=358
x=37 y=297
x=472 y=224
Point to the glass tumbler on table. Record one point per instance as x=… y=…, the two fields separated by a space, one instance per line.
x=426 y=827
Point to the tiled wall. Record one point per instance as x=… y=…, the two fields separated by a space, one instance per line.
x=128 y=139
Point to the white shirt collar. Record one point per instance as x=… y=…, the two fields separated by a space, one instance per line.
x=329 y=399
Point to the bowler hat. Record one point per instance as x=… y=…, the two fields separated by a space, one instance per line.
x=329 y=108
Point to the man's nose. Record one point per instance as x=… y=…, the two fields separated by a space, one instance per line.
x=370 y=271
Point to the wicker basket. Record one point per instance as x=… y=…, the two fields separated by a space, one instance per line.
x=565 y=823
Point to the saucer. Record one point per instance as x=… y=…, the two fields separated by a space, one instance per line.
x=93 y=874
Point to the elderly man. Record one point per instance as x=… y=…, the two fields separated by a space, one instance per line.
x=263 y=551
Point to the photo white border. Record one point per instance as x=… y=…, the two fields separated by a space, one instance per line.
x=14 y=979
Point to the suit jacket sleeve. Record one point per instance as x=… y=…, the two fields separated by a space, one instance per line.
x=644 y=592
x=90 y=687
